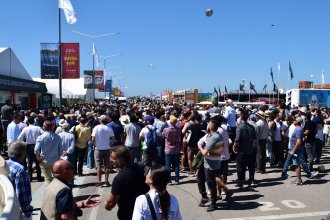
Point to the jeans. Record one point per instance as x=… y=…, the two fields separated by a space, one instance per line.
x=174 y=160
x=253 y=160
x=161 y=154
x=278 y=152
x=136 y=153
x=309 y=154
x=317 y=150
x=31 y=157
x=203 y=175
x=79 y=157
x=90 y=155
x=261 y=155
x=243 y=160
x=208 y=176
x=270 y=151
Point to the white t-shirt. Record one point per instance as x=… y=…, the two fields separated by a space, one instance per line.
x=144 y=134
x=142 y=210
x=103 y=135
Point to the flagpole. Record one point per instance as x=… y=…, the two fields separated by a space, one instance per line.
x=288 y=82
x=250 y=93
x=59 y=58
x=278 y=81
x=93 y=77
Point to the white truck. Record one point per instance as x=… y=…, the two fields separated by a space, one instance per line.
x=313 y=97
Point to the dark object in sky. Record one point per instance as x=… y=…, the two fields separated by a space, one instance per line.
x=272 y=25
x=209 y=12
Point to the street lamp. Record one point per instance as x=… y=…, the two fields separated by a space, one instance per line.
x=104 y=65
x=93 y=37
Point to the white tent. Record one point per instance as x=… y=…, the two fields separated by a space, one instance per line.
x=71 y=88
x=10 y=64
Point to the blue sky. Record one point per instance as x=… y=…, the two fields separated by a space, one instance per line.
x=189 y=49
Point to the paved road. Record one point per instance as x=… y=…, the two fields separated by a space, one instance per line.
x=273 y=198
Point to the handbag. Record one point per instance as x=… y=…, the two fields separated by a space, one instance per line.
x=198 y=161
x=151 y=207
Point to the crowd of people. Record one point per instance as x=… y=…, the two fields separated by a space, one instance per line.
x=145 y=141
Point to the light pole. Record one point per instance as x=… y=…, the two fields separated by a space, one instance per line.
x=104 y=65
x=93 y=37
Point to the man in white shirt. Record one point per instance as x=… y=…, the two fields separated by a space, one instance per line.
x=103 y=138
x=230 y=116
x=29 y=135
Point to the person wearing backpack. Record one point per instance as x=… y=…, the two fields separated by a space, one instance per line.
x=149 y=136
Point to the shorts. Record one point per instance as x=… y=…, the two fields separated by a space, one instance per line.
x=102 y=157
x=296 y=160
x=223 y=167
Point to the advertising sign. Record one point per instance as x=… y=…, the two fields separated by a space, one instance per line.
x=100 y=87
x=88 y=78
x=108 y=85
x=49 y=60
x=70 y=60
x=46 y=101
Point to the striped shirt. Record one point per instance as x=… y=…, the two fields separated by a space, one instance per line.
x=212 y=161
x=225 y=152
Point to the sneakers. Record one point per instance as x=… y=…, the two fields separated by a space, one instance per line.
x=313 y=174
x=211 y=208
x=203 y=201
x=297 y=182
x=229 y=194
x=252 y=184
x=98 y=184
x=106 y=184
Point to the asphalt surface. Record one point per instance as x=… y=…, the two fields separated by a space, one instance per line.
x=272 y=198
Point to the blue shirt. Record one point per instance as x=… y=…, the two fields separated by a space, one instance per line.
x=230 y=115
x=117 y=130
x=13 y=132
x=49 y=146
x=298 y=133
x=22 y=185
x=68 y=141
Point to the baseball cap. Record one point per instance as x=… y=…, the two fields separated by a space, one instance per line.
x=150 y=119
x=103 y=117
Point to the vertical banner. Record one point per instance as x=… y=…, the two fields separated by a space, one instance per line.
x=99 y=77
x=108 y=85
x=88 y=79
x=46 y=101
x=70 y=61
x=49 y=61
x=100 y=87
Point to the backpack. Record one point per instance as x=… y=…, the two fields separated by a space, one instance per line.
x=152 y=138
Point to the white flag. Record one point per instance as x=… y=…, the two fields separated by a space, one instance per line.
x=68 y=11
x=96 y=57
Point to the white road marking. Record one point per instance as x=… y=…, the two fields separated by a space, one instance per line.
x=284 y=216
x=293 y=204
